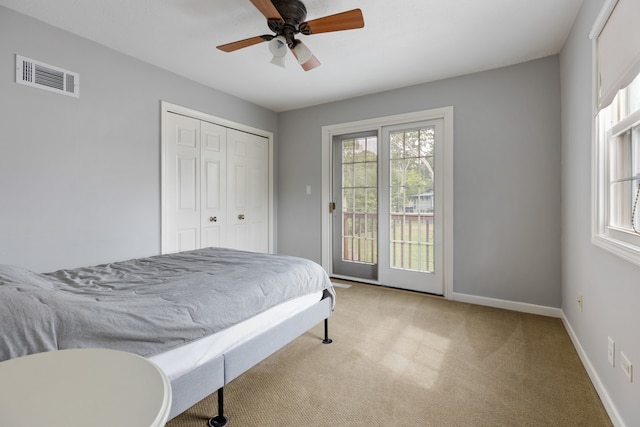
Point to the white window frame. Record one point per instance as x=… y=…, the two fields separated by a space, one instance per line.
x=621 y=242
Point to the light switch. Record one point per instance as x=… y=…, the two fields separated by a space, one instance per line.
x=308 y=189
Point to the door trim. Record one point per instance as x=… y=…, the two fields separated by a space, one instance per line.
x=329 y=131
x=166 y=108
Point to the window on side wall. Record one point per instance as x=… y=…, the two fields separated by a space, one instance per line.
x=616 y=165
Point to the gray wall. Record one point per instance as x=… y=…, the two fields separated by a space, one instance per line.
x=506 y=182
x=609 y=285
x=80 y=178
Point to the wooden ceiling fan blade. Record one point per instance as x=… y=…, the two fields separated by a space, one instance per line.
x=267 y=9
x=348 y=20
x=230 y=47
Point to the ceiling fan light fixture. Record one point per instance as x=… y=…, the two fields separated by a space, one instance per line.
x=279 y=61
x=278 y=48
x=302 y=52
x=306 y=59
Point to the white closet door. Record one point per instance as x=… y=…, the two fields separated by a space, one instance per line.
x=260 y=198
x=213 y=185
x=181 y=185
x=248 y=193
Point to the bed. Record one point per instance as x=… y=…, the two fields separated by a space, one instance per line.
x=204 y=317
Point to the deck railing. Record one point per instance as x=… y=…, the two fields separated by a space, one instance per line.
x=411 y=239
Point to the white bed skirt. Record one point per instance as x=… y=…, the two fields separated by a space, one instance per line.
x=184 y=359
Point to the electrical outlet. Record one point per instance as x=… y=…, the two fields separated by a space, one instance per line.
x=580 y=302
x=626 y=366
x=612 y=352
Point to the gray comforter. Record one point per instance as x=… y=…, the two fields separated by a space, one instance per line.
x=146 y=305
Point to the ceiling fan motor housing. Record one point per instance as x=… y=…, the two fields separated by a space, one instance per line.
x=293 y=13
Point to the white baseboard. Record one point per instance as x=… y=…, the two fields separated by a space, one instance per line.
x=558 y=313
x=593 y=375
x=509 y=305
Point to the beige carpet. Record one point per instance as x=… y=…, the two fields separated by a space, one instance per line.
x=406 y=359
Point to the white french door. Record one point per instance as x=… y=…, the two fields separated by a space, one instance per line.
x=411 y=227
x=355 y=189
x=388 y=202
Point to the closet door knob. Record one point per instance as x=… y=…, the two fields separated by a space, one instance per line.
x=241 y=217
x=213 y=219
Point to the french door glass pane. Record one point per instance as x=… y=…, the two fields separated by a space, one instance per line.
x=412 y=199
x=360 y=199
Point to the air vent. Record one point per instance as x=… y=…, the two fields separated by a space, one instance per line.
x=44 y=76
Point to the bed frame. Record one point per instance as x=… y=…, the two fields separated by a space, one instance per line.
x=194 y=386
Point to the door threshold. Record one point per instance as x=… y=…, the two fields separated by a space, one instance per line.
x=346 y=283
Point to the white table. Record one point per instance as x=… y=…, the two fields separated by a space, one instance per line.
x=83 y=388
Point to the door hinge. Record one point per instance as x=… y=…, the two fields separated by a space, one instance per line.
x=332 y=206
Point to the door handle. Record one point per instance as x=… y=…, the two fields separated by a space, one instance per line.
x=241 y=217
x=213 y=219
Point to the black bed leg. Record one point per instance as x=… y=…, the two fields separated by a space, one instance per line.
x=326 y=339
x=219 y=420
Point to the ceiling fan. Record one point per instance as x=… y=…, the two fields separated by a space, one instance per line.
x=286 y=18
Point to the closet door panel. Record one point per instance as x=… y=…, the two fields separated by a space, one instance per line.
x=238 y=146
x=182 y=184
x=259 y=200
x=213 y=196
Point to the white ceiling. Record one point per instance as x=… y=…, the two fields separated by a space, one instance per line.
x=404 y=42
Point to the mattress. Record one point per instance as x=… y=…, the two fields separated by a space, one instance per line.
x=147 y=306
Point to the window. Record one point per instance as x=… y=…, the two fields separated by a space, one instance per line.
x=616 y=208
x=619 y=135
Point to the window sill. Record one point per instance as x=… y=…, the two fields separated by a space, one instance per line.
x=624 y=250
